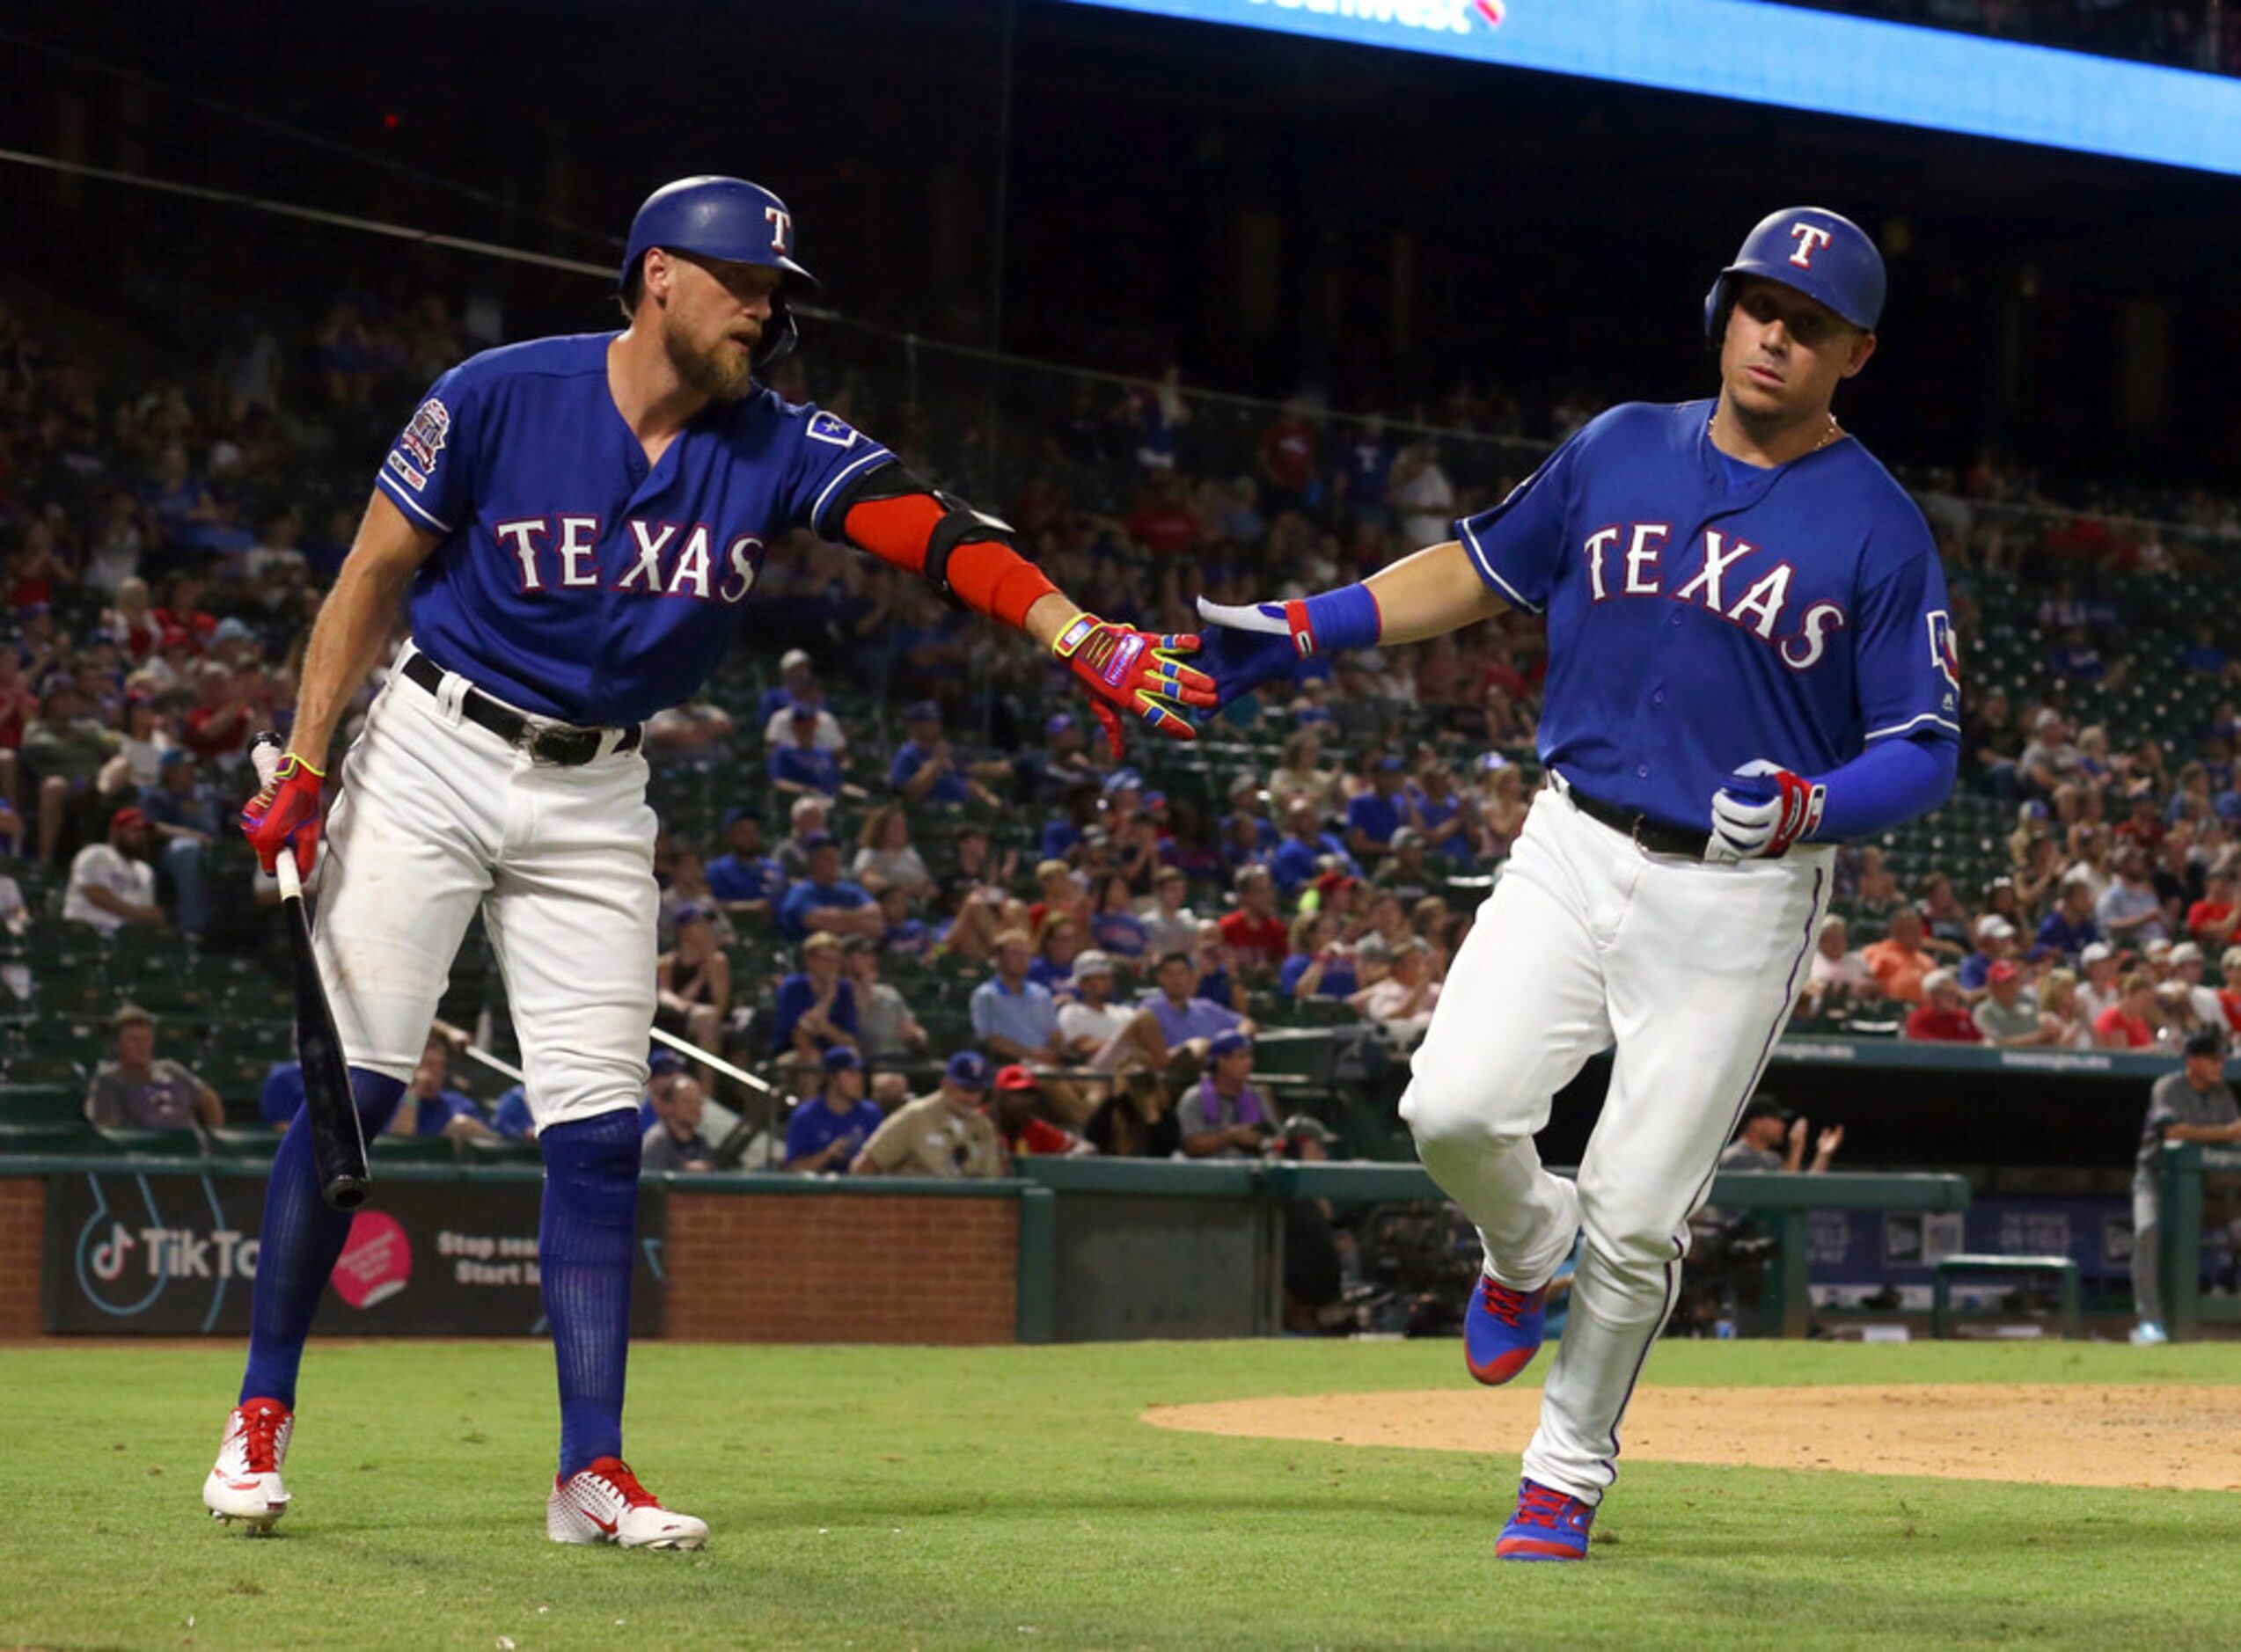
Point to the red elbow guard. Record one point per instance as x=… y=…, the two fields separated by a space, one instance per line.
x=919 y=533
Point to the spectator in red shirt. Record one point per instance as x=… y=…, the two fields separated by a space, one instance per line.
x=1254 y=932
x=2144 y=826
x=2212 y=920
x=181 y=613
x=228 y=708
x=1161 y=522
x=1019 y=1093
x=2128 y=1024
x=1287 y=455
x=1939 y=1017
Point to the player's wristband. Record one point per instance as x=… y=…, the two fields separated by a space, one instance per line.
x=1335 y=621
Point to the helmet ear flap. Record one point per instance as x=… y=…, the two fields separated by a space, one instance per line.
x=1715 y=303
x=780 y=335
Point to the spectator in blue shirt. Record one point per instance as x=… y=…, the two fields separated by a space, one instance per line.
x=816 y=1006
x=802 y=766
x=1365 y=464
x=743 y=879
x=1318 y=967
x=2204 y=655
x=1187 y=1022
x=2070 y=929
x=797 y=673
x=1443 y=814
x=183 y=819
x=1375 y=816
x=509 y=1115
x=824 y=900
x=1015 y=1019
x=1248 y=836
x=826 y=1132
x=1996 y=940
x=926 y=770
x=282 y=1094
x=430 y=1107
x=1306 y=850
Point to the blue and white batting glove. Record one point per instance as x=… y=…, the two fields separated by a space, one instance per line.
x=1249 y=644
x=1762 y=812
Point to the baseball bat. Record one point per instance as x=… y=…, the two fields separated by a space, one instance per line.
x=338 y=1140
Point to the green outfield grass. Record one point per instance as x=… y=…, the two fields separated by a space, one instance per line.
x=903 y=1497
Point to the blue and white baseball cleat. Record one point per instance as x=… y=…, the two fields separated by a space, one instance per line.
x=1501 y=1330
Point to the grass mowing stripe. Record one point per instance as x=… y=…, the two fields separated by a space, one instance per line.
x=938 y=1498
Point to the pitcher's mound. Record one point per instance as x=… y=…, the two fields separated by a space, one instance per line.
x=2051 y=1434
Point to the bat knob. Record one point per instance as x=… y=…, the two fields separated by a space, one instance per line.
x=265 y=749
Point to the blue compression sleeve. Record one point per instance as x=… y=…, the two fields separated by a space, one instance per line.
x=1885 y=784
x=1345 y=619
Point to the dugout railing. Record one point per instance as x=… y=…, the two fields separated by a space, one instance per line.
x=2185 y=1184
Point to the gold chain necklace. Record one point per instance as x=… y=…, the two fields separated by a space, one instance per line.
x=1826 y=436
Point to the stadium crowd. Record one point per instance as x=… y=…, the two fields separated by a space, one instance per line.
x=973 y=902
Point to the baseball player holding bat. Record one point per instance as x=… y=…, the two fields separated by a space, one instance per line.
x=1750 y=658
x=576 y=522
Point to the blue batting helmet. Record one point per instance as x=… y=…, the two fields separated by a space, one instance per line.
x=1821 y=253
x=726 y=219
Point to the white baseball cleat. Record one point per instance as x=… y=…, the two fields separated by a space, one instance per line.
x=245 y=1484
x=604 y=1503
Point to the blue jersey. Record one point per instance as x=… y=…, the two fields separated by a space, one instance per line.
x=814 y=1127
x=572 y=579
x=1703 y=614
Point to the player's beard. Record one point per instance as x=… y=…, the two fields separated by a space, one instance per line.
x=722 y=374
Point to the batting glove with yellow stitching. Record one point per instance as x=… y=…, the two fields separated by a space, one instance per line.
x=1139 y=672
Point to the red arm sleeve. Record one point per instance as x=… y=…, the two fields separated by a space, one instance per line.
x=987 y=575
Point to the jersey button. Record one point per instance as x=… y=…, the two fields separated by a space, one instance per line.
x=1641 y=770
x=1657 y=699
x=1675 y=620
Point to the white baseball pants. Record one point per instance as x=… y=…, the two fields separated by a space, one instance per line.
x=436 y=817
x=1589 y=941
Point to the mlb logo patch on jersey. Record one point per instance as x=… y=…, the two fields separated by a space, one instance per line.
x=415 y=479
x=424 y=435
x=831 y=428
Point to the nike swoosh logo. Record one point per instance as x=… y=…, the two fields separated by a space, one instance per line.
x=607 y=1526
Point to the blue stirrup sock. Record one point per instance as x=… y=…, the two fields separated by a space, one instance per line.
x=586 y=1241
x=299 y=1243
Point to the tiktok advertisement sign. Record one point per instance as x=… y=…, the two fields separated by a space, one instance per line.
x=129 y=1254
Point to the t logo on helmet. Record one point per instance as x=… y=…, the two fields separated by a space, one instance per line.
x=781 y=223
x=1809 y=237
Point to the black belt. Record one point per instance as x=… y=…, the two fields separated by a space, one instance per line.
x=1652 y=835
x=559 y=744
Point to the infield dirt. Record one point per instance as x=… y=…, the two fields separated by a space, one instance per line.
x=2070 y=1434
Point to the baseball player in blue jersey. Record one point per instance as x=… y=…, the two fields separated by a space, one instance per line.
x=578 y=522
x=1751 y=658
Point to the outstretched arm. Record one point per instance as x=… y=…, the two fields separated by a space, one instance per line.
x=969 y=557
x=1433 y=592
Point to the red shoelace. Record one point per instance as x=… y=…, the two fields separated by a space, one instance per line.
x=260 y=1425
x=1503 y=1302
x=616 y=1473
x=1541 y=1506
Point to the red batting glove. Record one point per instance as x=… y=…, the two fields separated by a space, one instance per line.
x=286 y=812
x=1140 y=672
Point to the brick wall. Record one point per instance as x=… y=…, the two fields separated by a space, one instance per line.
x=23 y=1219
x=840 y=1267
